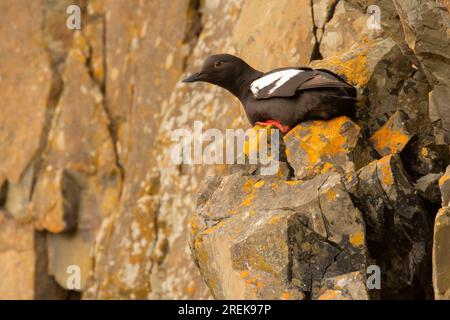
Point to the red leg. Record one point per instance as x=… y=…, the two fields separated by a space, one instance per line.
x=275 y=123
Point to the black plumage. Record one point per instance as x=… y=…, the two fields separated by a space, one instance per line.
x=282 y=97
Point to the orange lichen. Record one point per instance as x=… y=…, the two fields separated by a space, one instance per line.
x=357 y=239
x=251 y=145
x=194 y=224
x=324 y=138
x=286 y=295
x=293 y=182
x=248 y=186
x=191 y=289
x=248 y=200
x=214 y=227
x=386 y=139
x=331 y=195
x=259 y=184
x=385 y=170
x=444 y=179
x=326 y=167
x=330 y=295
x=354 y=68
x=274 y=219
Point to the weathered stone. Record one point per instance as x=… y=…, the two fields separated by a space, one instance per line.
x=425 y=25
x=56 y=207
x=297 y=236
x=378 y=68
x=26 y=81
x=24 y=261
x=70 y=249
x=423 y=156
x=444 y=185
x=441 y=258
x=350 y=286
x=393 y=136
x=440 y=113
x=398 y=230
x=346 y=25
x=315 y=147
x=428 y=187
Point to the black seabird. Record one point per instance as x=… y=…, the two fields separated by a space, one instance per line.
x=282 y=97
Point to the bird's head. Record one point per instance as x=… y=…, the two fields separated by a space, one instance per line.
x=223 y=70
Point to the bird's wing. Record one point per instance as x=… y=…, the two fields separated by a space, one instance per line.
x=288 y=81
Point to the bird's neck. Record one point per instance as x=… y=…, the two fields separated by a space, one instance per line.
x=241 y=85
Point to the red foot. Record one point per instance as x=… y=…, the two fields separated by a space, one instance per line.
x=274 y=123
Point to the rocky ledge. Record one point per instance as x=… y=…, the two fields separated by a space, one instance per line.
x=345 y=222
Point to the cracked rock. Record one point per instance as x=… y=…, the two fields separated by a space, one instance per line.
x=264 y=238
x=316 y=147
x=398 y=228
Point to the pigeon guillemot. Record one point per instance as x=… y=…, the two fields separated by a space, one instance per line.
x=282 y=97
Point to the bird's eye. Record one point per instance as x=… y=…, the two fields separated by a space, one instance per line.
x=218 y=64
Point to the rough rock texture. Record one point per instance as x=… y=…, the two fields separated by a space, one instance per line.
x=441 y=261
x=85 y=131
x=398 y=229
x=318 y=146
x=270 y=238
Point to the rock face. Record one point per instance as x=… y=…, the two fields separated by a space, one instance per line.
x=441 y=262
x=86 y=177
x=269 y=238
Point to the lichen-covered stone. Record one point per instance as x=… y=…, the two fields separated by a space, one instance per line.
x=56 y=209
x=316 y=147
x=393 y=136
x=260 y=237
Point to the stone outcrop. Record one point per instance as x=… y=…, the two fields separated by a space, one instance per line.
x=86 y=177
x=269 y=238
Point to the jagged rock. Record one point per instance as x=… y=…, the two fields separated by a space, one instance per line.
x=56 y=207
x=315 y=147
x=350 y=286
x=347 y=24
x=262 y=237
x=269 y=159
x=425 y=24
x=398 y=230
x=440 y=113
x=441 y=258
x=393 y=136
x=444 y=185
x=378 y=68
x=428 y=187
x=423 y=156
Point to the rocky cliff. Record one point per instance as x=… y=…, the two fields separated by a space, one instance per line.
x=86 y=178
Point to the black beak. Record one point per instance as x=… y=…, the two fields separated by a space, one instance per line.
x=199 y=76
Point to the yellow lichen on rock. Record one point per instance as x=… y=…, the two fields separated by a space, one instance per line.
x=393 y=136
x=319 y=146
x=352 y=64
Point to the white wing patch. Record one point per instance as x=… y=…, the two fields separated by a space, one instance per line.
x=277 y=78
